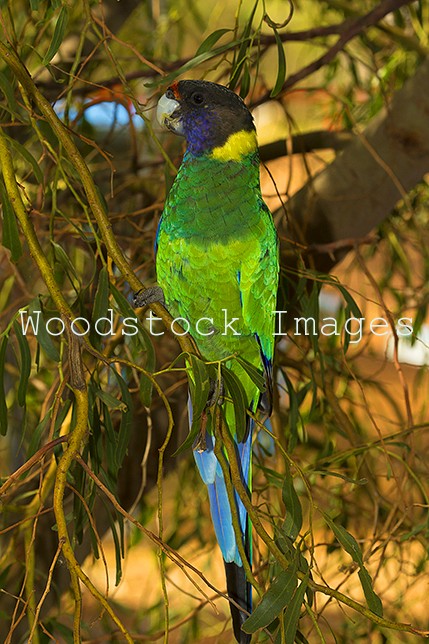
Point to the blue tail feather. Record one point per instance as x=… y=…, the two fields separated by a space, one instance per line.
x=239 y=589
x=212 y=475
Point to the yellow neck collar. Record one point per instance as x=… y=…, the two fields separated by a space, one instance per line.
x=236 y=146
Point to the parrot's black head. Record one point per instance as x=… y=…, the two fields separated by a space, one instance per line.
x=206 y=114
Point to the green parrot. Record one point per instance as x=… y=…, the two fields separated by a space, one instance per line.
x=217 y=266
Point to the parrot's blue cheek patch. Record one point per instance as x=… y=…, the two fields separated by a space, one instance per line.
x=199 y=134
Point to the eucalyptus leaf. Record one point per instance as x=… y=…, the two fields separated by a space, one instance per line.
x=281 y=66
x=126 y=418
x=199 y=390
x=20 y=149
x=241 y=56
x=64 y=260
x=253 y=372
x=110 y=401
x=199 y=385
x=101 y=303
x=25 y=364
x=3 y=406
x=211 y=40
x=43 y=337
x=236 y=391
x=293 y=610
x=58 y=35
x=8 y=91
x=278 y=595
x=11 y=238
x=351 y=546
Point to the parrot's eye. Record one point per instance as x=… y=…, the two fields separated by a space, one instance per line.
x=197 y=98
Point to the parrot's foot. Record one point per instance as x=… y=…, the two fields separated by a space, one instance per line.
x=215 y=397
x=148 y=296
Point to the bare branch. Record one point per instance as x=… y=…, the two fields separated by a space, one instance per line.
x=302 y=143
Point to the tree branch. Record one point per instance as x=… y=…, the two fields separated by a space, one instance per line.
x=302 y=143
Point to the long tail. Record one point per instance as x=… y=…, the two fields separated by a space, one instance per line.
x=239 y=589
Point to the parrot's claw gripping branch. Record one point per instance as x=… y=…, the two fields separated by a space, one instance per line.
x=148 y=296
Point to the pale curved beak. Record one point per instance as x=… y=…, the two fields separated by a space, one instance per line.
x=165 y=114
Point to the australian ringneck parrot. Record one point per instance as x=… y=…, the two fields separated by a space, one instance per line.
x=217 y=265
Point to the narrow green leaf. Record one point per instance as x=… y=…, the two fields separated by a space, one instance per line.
x=292 y=612
x=236 y=391
x=37 y=435
x=58 y=36
x=194 y=62
x=278 y=595
x=96 y=443
x=211 y=40
x=241 y=56
x=43 y=337
x=348 y=542
x=118 y=554
x=347 y=336
x=99 y=310
x=122 y=302
x=11 y=239
x=20 y=149
x=193 y=433
x=293 y=521
x=126 y=418
x=199 y=386
x=25 y=366
x=3 y=406
x=281 y=66
x=101 y=300
x=110 y=401
x=351 y=546
x=199 y=389
x=341 y=476
x=7 y=89
x=253 y=372
x=64 y=260
x=245 y=81
x=372 y=599
x=350 y=301
x=111 y=445
x=145 y=389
